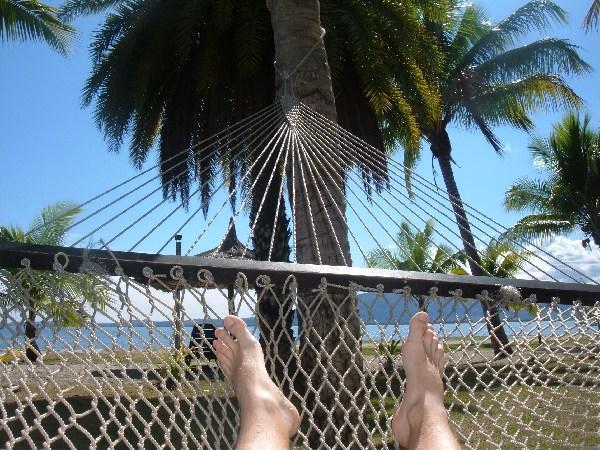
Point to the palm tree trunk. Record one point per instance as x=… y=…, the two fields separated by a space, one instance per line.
x=329 y=318
x=441 y=149
x=32 y=351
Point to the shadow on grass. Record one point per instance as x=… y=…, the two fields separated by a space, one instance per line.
x=148 y=423
x=385 y=386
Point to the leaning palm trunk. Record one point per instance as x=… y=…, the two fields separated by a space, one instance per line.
x=329 y=349
x=440 y=147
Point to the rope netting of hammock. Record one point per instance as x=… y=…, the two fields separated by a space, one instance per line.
x=114 y=366
x=124 y=376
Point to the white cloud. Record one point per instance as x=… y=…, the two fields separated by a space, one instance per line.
x=210 y=303
x=569 y=261
x=508 y=148
x=538 y=163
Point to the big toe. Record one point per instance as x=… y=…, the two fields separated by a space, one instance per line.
x=418 y=325
x=237 y=327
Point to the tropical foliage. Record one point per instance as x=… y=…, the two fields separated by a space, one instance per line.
x=499 y=259
x=22 y=20
x=490 y=80
x=417 y=251
x=591 y=18
x=35 y=291
x=168 y=77
x=568 y=196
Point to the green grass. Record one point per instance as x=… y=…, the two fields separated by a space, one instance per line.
x=542 y=406
x=542 y=403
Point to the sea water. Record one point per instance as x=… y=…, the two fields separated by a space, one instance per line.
x=113 y=336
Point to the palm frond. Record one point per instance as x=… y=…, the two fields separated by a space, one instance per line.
x=73 y=8
x=534 y=15
x=539 y=226
x=511 y=103
x=591 y=18
x=32 y=20
x=546 y=56
x=12 y=234
x=527 y=194
x=51 y=225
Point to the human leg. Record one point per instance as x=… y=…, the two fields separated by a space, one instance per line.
x=421 y=421
x=268 y=419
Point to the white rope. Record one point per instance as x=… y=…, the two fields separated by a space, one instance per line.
x=106 y=381
x=247 y=122
x=273 y=142
x=364 y=149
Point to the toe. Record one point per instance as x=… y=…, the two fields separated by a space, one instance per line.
x=224 y=357
x=237 y=327
x=225 y=364
x=418 y=325
x=433 y=348
x=440 y=358
x=427 y=342
x=226 y=338
x=222 y=349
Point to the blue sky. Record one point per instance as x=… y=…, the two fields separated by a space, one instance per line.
x=50 y=148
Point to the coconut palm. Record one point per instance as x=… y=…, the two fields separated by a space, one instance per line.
x=500 y=259
x=416 y=251
x=169 y=77
x=22 y=20
x=489 y=81
x=32 y=292
x=591 y=18
x=568 y=196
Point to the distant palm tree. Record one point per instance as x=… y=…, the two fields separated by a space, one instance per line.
x=22 y=20
x=33 y=291
x=591 y=18
x=500 y=259
x=568 y=197
x=416 y=251
x=488 y=81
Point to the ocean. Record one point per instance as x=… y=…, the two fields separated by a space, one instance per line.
x=111 y=336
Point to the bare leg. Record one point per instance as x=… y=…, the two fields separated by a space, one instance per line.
x=421 y=421
x=268 y=419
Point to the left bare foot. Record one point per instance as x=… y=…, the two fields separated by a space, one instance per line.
x=241 y=358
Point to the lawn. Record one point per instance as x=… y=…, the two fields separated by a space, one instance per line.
x=534 y=403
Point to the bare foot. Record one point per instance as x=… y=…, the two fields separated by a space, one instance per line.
x=423 y=361
x=241 y=358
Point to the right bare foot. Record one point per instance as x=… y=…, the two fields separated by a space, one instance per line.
x=240 y=356
x=423 y=361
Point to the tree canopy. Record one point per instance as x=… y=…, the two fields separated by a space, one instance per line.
x=417 y=251
x=567 y=197
x=22 y=20
x=167 y=77
x=35 y=292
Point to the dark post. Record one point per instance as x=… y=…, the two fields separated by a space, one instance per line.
x=178 y=308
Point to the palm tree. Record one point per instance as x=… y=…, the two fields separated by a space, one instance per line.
x=33 y=290
x=22 y=20
x=488 y=81
x=169 y=77
x=416 y=251
x=591 y=18
x=500 y=259
x=568 y=196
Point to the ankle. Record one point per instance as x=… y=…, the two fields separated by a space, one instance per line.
x=428 y=404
